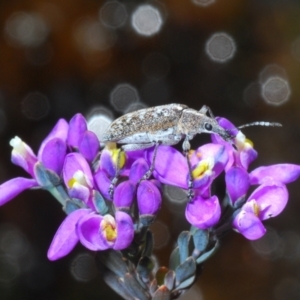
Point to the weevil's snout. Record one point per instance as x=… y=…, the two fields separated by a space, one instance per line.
x=226 y=135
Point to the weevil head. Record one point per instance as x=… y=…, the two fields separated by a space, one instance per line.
x=210 y=125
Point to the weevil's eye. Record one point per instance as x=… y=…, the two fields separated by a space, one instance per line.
x=208 y=126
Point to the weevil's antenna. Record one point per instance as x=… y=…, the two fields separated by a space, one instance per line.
x=257 y=123
x=261 y=123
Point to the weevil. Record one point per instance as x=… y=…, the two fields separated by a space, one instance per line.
x=167 y=125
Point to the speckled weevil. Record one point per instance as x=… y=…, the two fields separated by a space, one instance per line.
x=165 y=124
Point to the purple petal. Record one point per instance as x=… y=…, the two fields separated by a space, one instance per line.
x=214 y=152
x=125 y=231
x=138 y=170
x=79 y=191
x=89 y=145
x=66 y=236
x=170 y=166
x=202 y=183
x=284 y=173
x=271 y=198
x=124 y=194
x=237 y=183
x=148 y=198
x=90 y=234
x=22 y=155
x=11 y=188
x=77 y=127
x=203 y=213
x=226 y=124
x=131 y=157
x=76 y=162
x=103 y=183
x=106 y=162
x=53 y=155
x=59 y=131
x=249 y=225
x=247 y=156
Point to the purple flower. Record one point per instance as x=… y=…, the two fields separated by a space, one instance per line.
x=124 y=195
x=98 y=232
x=171 y=168
x=138 y=170
x=207 y=162
x=103 y=183
x=243 y=153
x=284 y=173
x=94 y=231
x=203 y=213
x=50 y=155
x=78 y=177
x=81 y=139
x=78 y=127
x=148 y=198
x=109 y=159
x=267 y=201
x=66 y=237
x=237 y=183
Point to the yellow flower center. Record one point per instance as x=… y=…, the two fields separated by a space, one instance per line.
x=109 y=228
x=118 y=154
x=79 y=178
x=202 y=168
x=115 y=153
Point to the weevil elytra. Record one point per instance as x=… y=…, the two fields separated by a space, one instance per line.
x=167 y=125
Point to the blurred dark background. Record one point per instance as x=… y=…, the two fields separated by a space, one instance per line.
x=57 y=58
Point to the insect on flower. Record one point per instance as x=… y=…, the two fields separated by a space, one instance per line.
x=167 y=125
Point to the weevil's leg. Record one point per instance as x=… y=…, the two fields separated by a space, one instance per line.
x=204 y=109
x=186 y=148
x=151 y=169
x=128 y=147
x=116 y=177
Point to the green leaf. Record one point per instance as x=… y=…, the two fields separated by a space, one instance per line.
x=70 y=206
x=134 y=288
x=185 y=270
x=186 y=283
x=207 y=254
x=148 y=246
x=201 y=239
x=99 y=203
x=169 y=280
x=144 y=268
x=174 y=259
x=183 y=245
x=114 y=261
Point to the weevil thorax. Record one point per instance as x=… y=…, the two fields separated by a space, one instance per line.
x=193 y=122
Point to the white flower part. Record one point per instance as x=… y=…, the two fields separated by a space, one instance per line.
x=242 y=142
x=80 y=178
x=21 y=148
x=16 y=143
x=210 y=163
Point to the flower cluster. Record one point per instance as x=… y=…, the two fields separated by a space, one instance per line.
x=71 y=165
x=68 y=166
